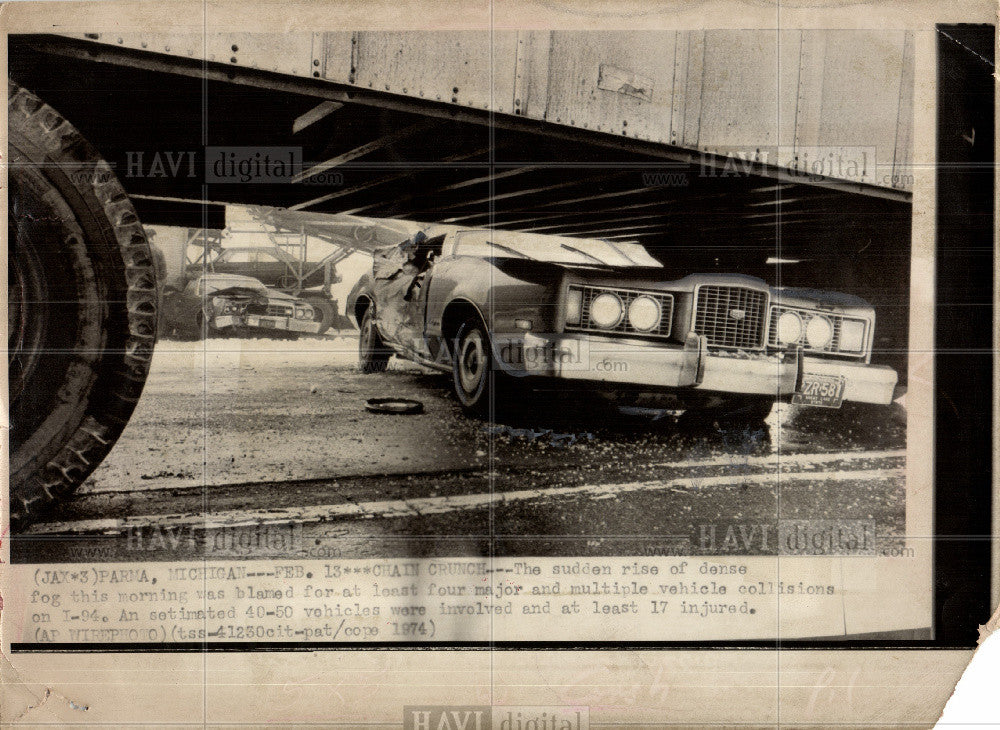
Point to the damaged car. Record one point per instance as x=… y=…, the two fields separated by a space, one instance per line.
x=495 y=307
x=215 y=305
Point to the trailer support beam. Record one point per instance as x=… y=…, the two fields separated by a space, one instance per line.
x=362 y=150
x=317 y=113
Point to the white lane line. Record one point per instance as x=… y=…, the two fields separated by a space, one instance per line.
x=778 y=460
x=419 y=507
x=772 y=460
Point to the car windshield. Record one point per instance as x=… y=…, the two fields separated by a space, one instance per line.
x=557 y=249
x=226 y=282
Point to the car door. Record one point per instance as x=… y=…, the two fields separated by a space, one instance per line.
x=414 y=308
x=389 y=283
x=419 y=271
x=402 y=283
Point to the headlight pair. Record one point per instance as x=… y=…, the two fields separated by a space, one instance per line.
x=817 y=331
x=607 y=310
x=303 y=313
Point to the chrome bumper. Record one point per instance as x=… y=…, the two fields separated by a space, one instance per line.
x=226 y=320
x=274 y=323
x=636 y=363
x=281 y=323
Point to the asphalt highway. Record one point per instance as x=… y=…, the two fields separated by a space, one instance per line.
x=254 y=448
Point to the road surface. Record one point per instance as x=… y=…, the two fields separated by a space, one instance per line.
x=258 y=448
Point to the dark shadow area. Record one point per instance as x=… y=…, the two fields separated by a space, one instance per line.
x=963 y=381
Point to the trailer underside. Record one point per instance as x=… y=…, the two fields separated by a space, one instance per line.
x=158 y=119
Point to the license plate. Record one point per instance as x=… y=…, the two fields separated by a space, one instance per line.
x=823 y=391
x=266 y=322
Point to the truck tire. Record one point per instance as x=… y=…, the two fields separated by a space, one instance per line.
x=81 y=307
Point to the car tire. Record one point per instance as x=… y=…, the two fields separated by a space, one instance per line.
x=82 y=303
x=325 y=312
x=474 y=378
x=373 y=355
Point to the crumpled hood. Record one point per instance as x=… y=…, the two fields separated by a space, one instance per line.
x=242 y=292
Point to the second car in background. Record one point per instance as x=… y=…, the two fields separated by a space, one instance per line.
x=220 y=304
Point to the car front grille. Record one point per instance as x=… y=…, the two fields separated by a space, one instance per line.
x=275 y=310
x=730 y=316
x=627 y=296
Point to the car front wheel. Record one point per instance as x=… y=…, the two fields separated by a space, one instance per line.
x=324 y=312
x=373 y=355
x=473 y=374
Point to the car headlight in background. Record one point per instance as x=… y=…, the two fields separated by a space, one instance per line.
x=644 y=313
x=852 y=335
x=819 y=332
x=574 y=306
x=303 y=313
x=789 y=328
x=606 y=310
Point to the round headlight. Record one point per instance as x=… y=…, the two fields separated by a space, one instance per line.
x=606 y=310
x=644 y=313
x=789 y=328
x=819 y=332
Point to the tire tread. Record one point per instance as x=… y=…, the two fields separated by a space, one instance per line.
x=122 y=373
